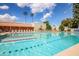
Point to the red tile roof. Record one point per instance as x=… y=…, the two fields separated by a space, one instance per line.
x=15 y=24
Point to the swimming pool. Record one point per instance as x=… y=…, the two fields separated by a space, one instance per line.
x=43 y=44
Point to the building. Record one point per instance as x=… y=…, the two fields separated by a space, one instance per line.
x=15 y=27
x=39 y=26
x=55 y=28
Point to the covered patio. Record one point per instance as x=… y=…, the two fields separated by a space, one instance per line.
x=15 y=27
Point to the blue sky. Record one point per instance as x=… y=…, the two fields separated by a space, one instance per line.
x=54 y=13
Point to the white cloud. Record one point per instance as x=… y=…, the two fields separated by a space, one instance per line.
x=22 y=5
x=7 y=18
x=44 y=18
x=4 y=7
x=47 y=15
x=37 y=7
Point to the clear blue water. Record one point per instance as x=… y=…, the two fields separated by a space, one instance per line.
x=45 y=44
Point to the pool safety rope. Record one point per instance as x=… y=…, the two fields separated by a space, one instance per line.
x=18 y=40
x=23 y=49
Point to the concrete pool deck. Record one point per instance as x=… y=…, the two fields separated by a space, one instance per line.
x=72 y=51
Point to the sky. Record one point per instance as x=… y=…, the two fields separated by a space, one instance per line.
x=53 y=12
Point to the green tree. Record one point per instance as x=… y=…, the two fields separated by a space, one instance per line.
x=61 y=27
x=76 y=10
x=75 y=15
x=72 y=22
x=48 y=26
x=66 y=22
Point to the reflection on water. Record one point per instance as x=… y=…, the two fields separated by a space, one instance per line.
x=64 y=34
x=48 y=35
x=38 y=35
x=2 y=37
x=61 y=34
x=45 y=35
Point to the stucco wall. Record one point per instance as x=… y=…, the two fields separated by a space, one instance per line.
x=37 y=26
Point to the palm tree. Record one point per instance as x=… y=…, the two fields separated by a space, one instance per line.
x=25 y=14
x=32 y=16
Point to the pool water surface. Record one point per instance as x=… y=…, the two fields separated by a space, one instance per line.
x=42 y=44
